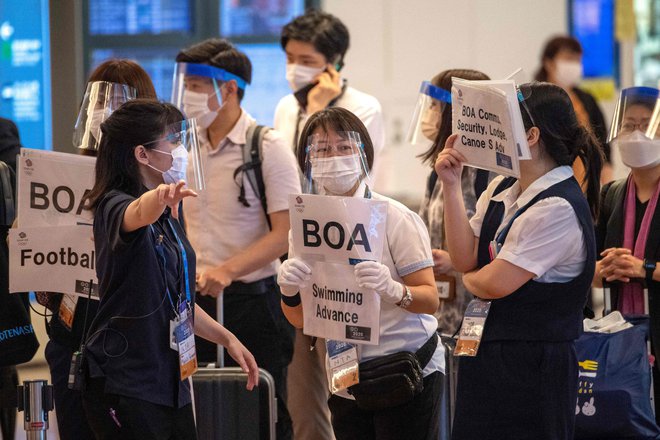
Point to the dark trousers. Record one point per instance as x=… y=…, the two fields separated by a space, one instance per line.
x=118 y=417
x=8 y=383
x=418 y=419
x=517 y=390
x=253 y=313
x=68 y=403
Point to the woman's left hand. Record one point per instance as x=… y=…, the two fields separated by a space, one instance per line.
x=245 y=360
x=376 y=276
x=172 y=194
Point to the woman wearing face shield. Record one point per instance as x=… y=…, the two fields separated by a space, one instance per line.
x=111 y=84
x=628 y=227
x=529 y=250
x=561 y=64
x=432 y=125
x=140 y=350
x=337 y=166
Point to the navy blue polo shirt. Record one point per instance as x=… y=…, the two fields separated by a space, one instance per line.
x=128 y=342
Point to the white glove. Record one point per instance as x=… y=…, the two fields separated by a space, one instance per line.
x=376 y=276
x=292 y=275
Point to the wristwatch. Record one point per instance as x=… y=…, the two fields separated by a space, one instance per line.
x=407 y=298
x=649 y=267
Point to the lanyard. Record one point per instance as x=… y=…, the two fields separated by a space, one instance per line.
x=184 y=257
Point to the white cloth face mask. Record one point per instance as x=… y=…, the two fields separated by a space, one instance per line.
x=299 y=76
x=179 y=165
x=568 y=74
x=637 y=150
x=196 y=105
x=337 y=174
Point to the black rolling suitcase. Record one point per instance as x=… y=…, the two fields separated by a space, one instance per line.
x=448 y=387
x=225 y=410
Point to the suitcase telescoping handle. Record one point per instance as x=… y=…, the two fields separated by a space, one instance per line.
x=219 y=313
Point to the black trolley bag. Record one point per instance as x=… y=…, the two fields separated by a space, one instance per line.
x=224 y=409
x=449 y=381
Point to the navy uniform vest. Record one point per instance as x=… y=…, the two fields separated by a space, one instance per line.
x=540 y=311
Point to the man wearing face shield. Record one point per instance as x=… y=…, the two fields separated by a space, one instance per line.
x=315 y=44
x=236 y=242
x=628 y=227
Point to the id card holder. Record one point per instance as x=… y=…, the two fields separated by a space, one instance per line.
x=67 y=310
x=185 y=341
x=343 y=365
x=446 y=285
x=493 y=249
x=472 y=328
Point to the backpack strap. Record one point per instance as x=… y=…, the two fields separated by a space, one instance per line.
x=7 y=206
x=251 y=168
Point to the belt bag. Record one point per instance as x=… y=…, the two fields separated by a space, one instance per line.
x=392 y=380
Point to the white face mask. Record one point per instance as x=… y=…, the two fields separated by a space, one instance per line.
x=95 y=120
x=196 y=105
x=430 y=124
x=338 y=174
x=179 y=165
x=638 y=151
x=299 y=76
x=568 y=73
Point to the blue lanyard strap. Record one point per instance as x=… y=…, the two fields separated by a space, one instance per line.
x=184 y=257
x=161 y=254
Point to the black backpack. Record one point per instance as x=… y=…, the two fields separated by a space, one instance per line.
x=251 y=168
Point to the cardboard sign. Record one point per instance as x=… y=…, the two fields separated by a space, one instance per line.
x=41 y=260
x=335 y=307
x=51 y=187
x=339 y=229
x=481 y=117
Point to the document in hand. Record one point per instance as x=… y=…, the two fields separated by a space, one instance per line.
x=481 y=116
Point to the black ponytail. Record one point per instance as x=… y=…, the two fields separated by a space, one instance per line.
x=549 y=108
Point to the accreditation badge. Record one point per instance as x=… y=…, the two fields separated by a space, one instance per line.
x=67 y=310
x=472 y=328
x=185 y=341
x=343 y=365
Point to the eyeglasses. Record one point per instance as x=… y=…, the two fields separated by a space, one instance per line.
x=328 y=150
x=631 y=126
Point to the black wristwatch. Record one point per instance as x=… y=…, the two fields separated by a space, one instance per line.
x=649 y=267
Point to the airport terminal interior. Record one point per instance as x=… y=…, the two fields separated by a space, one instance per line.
x=49 y=48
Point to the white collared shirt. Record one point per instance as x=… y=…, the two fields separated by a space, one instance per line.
x=364 y=106
x=546 y=239
x=218 y=225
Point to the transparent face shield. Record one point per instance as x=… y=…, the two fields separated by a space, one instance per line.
x=425 y=122
x=196 y=90
x=635 y=130
x=335 y=164
x=100 y=100
x=185 y=151
x=637 y=110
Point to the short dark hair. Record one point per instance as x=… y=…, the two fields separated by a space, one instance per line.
x=549 y=108
x=127 y=72
x=137 y=122
x=337 y=119
x=443 y=80
x=324 y=31
x=552 y=47
x=220 y=53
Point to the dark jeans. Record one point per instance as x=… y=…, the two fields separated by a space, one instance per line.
x=117 y=417
x=68 y=403
x=258 y=322
x=418 y=419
